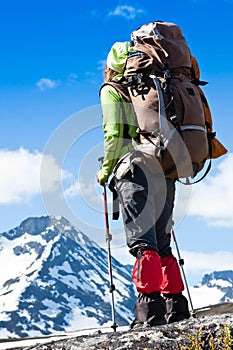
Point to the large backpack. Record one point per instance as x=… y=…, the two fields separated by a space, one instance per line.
x=173 y=116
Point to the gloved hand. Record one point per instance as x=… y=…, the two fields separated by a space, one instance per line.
x=101 y=182
x=102 y=179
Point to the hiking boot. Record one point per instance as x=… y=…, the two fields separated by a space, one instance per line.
x=155 y=322
x=136 y=324
x=177 y=307
x=150 y=310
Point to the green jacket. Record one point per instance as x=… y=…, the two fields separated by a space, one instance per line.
x=119 y=129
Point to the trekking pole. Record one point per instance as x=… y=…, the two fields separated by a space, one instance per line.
x=108 y=240
x=181 y=263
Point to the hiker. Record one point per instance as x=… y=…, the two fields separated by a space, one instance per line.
x=147 y=201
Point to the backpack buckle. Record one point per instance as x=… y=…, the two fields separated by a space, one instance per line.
x=174 y=120
x=167 y=74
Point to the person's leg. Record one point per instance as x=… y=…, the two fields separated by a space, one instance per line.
x=138 y=212
x=137 y=208
x=172 y=284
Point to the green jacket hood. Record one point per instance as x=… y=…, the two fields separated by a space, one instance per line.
x=117 y=56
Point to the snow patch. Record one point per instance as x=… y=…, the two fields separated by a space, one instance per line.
x=80 y=320
x=220 y=283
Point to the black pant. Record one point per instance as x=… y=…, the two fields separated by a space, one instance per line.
x=147 y=202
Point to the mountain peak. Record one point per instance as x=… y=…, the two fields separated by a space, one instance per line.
x=38 y=225
x=57 y=279
x=222 y=281
x=226 y=275
x=47 y=227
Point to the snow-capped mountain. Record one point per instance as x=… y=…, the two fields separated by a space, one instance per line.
x=223 y=281
x=54 y=278
x=214 y=288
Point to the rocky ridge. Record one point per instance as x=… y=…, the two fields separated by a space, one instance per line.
x=205 y=330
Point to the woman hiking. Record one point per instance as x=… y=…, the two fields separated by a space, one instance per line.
x=147 y=201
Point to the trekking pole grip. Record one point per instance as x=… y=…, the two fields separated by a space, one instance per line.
x=108 y=235
x=101 y=160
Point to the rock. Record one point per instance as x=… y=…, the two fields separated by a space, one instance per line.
x=179 y=335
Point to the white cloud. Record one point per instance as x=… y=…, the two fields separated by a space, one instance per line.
x=92 y=77
x=20 y=175
x=121 y=252
x=72 y=79
x=204 y=296
x=125 y=11
x=89 y=190
x=101 y=64
x=213 y=198
x=201 y=263
x=46 y=84
x=73 y=190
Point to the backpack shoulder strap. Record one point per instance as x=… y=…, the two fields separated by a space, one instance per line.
x=120 y=87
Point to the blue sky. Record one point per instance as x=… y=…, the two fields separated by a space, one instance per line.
x=52 y=58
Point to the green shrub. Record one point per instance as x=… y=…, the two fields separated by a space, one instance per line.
x=221 y=340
